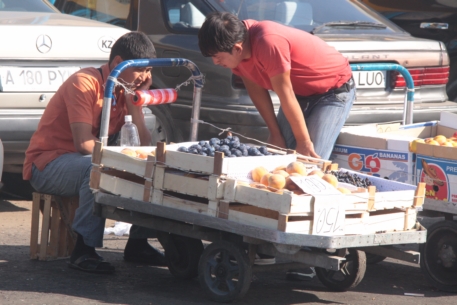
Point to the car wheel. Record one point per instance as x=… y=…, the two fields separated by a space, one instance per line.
x=164 y=130
x=452 y=91
x=14 y=187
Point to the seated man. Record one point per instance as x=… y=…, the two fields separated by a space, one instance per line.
x=58 y=159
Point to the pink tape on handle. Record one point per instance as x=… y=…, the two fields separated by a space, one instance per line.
x=155 y=97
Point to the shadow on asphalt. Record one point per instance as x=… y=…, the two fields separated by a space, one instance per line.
x=6 y=206
x=138 y=284
x=135 y=284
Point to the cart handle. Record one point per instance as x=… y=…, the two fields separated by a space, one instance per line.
x=153 y=62
x=409 y=97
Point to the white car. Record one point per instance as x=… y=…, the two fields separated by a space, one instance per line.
x=40 y=47
x=1 y=163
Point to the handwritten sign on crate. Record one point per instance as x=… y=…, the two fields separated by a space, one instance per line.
x=329 y=213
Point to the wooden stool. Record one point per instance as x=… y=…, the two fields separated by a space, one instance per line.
x=57 y=239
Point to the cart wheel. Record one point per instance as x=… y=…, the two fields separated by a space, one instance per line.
x=439 y=255
x=224 y=271
x=374 y=258
x=182 y=259
x=351 y=272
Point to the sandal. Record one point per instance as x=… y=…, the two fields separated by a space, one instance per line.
x=92 y=264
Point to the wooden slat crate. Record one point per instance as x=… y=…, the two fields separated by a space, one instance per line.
x=125 y=185
x=218 y=165
x=111 y=157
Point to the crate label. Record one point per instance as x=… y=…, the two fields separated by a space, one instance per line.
x=329 y=215
x=329 y=212
x=314 y=185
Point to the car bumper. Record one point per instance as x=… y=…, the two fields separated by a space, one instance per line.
x=248 y=122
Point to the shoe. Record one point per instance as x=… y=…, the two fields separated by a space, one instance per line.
x=92 y=263
x=261 y=259
x=306 y=274
x=146 y=254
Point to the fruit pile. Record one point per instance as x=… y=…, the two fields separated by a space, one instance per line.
x=438 y=140
x=137 y=153
x=230 y=146
x=352 y=179
x=279 y=180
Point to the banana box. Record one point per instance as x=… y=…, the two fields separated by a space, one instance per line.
x=390 y=164
x=440 y=177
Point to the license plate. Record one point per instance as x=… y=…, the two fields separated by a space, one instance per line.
x=369 y=79
x=18 y=79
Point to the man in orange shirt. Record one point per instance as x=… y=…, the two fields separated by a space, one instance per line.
x=58 y=159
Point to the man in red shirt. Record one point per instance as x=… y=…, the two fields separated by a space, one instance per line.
x=58 y=159
x=312 y=80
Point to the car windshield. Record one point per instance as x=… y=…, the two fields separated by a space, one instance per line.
x=345 y=16
x=108 y=11
x=26 y=6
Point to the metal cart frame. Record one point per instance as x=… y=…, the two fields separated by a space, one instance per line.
x=225 y=267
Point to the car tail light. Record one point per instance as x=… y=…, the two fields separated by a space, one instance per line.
x=422 y=77
x=237 y=82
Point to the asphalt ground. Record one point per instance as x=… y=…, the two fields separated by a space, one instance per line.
x=25 y=281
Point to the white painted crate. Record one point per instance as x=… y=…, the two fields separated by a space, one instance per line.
x=232 y=167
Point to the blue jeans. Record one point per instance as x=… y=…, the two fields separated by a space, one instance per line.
x=69 y=176
x=325 y=115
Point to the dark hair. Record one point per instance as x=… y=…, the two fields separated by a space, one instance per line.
x=133 y=45
x=220 y=32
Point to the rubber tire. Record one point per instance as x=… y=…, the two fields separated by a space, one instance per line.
x=209 y=263
x=358 y=267
x=164 y=129
x=189 y=252
x=374 y=258
x=428 y=261
x=15 y=188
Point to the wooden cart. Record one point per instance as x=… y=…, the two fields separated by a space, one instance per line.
x=189 y=199
x=439 y=253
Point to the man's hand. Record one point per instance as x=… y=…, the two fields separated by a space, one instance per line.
x=147 y=83
x=306 y=148
x=277 y=141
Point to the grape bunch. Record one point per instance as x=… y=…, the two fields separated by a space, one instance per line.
x=353 y=179
x=230 y=146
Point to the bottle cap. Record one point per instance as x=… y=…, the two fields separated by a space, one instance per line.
x=128 y=118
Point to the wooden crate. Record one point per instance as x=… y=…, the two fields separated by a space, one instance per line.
x=111 y=157
x=169 y=155
x=56 y=238
x=362 y=223
x=123 y=184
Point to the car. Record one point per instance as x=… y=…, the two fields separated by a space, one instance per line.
x=431 y=19
x=359 y=33
x=40 y=48
x=1 y=164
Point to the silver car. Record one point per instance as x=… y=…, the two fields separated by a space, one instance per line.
x=359 y=33
x=40 y=47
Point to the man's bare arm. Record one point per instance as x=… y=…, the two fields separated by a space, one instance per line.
x=262 y=101
x=83 y=139
x=282 y=86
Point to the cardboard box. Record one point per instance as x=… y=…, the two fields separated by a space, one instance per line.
x=394 y=165
x=440 y=177
x=439 y=151
x=383 y=150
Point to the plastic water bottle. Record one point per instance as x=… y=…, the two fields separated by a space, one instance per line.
x=129 y=133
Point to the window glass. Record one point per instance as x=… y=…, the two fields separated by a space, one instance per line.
x=304 y=14
x=108 y=11
x=25 y=6
x=185 y=14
